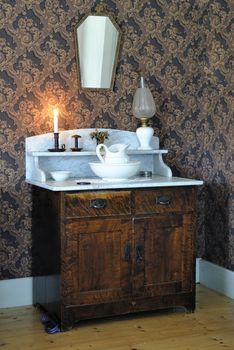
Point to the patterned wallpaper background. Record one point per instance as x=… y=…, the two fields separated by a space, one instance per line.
x=184 y=48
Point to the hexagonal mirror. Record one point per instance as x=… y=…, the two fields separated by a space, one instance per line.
x=97 y=48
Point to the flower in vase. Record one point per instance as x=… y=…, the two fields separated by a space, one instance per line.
x=99 y=136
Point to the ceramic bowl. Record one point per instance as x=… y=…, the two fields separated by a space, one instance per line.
x=60 y=175
x=115 y=172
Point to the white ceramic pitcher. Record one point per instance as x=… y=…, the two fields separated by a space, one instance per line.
x=115 y=154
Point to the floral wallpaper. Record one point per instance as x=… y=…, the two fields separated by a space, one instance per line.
x=184 y=50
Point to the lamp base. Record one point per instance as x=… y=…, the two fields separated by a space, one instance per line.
x=144 y=135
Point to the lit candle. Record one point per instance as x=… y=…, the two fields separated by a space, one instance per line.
x=55 y=121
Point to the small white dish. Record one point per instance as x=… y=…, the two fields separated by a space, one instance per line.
x=115 y=172
x=60 y=175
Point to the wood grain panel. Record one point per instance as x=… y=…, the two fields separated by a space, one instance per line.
x=180 y=200
x=162 y=246
x=114 y=203
x=99 y=268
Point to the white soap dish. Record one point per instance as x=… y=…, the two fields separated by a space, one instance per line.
x=60 y=175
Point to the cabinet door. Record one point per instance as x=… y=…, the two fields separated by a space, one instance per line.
x=163 y=255
x=96 y=261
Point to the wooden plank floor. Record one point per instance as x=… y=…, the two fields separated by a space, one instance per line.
x=210 y=327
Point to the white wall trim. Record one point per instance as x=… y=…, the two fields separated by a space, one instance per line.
x=197 y=277
x=217 y=278
x=18 y=291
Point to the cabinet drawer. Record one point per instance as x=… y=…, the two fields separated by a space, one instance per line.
x=161 y=200
x=95 y=204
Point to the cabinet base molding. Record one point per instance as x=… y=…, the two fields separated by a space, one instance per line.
x=115 y=308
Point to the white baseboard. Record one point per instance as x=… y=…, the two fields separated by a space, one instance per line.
x=197 y=277
x=18 y=292
x=217 y=278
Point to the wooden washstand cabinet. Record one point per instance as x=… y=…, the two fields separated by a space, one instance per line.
x=113 y=252
x=106 y=248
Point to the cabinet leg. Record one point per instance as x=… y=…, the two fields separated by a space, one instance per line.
x=66 y=327
x=190 y=310
x=67 y=322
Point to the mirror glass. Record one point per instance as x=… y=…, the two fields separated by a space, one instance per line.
x=97 y=39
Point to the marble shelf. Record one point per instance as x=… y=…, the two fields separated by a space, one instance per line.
x=90 y=153
x=40 y=162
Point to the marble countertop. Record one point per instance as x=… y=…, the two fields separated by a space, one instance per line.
x=99 y=184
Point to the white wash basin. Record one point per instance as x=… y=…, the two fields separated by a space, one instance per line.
x=115 y=172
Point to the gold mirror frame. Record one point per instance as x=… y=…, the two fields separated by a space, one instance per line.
x=115 y=58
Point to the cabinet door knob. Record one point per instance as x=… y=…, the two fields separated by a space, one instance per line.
x=163 y=200
x=127 y=251
x=139 y=253
x=98 y=203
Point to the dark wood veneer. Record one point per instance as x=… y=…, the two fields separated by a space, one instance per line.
x=114 y=203
x=126 y=253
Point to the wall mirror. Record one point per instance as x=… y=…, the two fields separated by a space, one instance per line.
x=97 y=48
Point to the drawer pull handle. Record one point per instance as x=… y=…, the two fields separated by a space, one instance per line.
x=139 y=253
x=127 y=252
x=163 y=200
x=98 y=203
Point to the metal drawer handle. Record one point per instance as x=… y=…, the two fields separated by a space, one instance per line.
x=163 y=200
x=98 y=203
